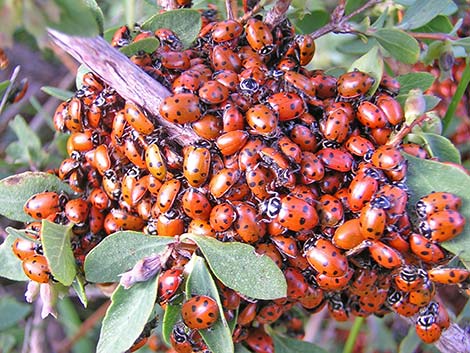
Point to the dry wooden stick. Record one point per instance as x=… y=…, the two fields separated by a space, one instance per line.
x=125 y=77
x=278 y=13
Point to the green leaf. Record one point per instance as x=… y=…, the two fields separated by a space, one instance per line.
x=372 y=63
x=457 y=97
x=439 y=24
x=440 y=147
x=119 y=252
x=81 y=71
x=12 y=312
x=29 y=143
x=399 y=44
x=58 y=93
x=411 y=341
x=425 y=176
x=15 y=190
x=109 y=33
x=312 y=21
x=78 y=286
x=415 y=80
x=284 y=344
x=239 y=348
x=239 y=267
x=99 y=17
x=75 y=18
x=171 y=316
x=3 y=86
x=10 y=265
x=55 y=239
x=7 y=342
x=431 y=101
x=218 y=338
x=126 y=317
x=423 y=11
x=186 y=24
x=147 y=45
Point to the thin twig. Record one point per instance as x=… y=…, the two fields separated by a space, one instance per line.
x=432 y=36
x=405 y=130
x=278 y=12
x=252 y=12
x=125 y=77
x=229 y=7
x=339 y=22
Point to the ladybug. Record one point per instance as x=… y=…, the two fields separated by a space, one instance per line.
x=213 y=92
x=74 y=117
x=259 y=36
x=261 y=119
x=196 y=205
x=37 y=268
x=231 y=142
x=391 y=108
x=437 y=201
x=222 y=216
x=223 y=58
x=247 y=314
x=334 y=283
x=259 y=341
x=248 y=156
x=18 y=91
x=223 y=181
x=372 y=221
x=155 y=162
x=174 y=60
x=370 y=115
x=286 y=245
x=233 y=119
x=196 y=165
x=373 y=301
x=270 y=250
x=427 y=329
x=304 y=138
x=312 y=168
x=305 y=48
x=208 y=127
x=387 y=157
x=287 y=105
x=330 y=211
x=290 y=149
x=167 y=194
x=23 y=248
x=169 y=224
x=337 y=308
x=121 y=37
x=334 y=159
x=95 y=220
x=247 y=224
x=43 y=204
x=168 y=283
x=269 y=313
x=99 y=199
x=226 y=30
x=200 y=312
x=425 y=249
x=136 y=118
x=415 y=150
x=324 y=85
x=77 y=211
x=423 y=294
x=440 y=312
x=442 y=225
x=354 y=84
x=364 y=280
x=180 y=339
x=348 y=235
x=448 y=275
x=326 y=258
x=401 y=305
x=296 y=214
x=125 y=220
x=409 y=278
x=258 y=180
x=389 y=84
x=180 y=108
x=313 y=299
x=384 y=255
x=335 y=126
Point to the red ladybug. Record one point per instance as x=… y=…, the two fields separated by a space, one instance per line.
x=180 y=108
x=168 y=283
x=43 y=204
x=437 y=201
x=37 y=268
x=354 y=84
x=200 y=312
x=326 y=258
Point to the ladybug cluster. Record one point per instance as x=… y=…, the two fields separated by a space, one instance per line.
x=293 y=161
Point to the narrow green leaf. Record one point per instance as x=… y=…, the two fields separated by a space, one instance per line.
x=411 y=341
x=439 y=24
x=12 y=312
x=372 y=63
x=75 y=18
x=58 y=93
x=71 y=322
x=457 y=97
x=29 y=141
x=423 y=11
x=425 y=176
x=20 y=233
x=186 y=24
x=440 y=147
x=127 y=316
x=399 y=44
x=218 y=338
x=17 y=189
x=109 y=33
x=415 y=80
x=97 y=12
x=78 y=286
x=3 y=87
x=239 y=267
x=171 y=316
x=10 y=265
x=284 y=344
x=239 y=348
x=119 y=252
x=55 y=239
x=147 y=45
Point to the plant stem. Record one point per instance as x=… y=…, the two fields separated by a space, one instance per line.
x=349 y=345
x=130 y=13
x=463 y=84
